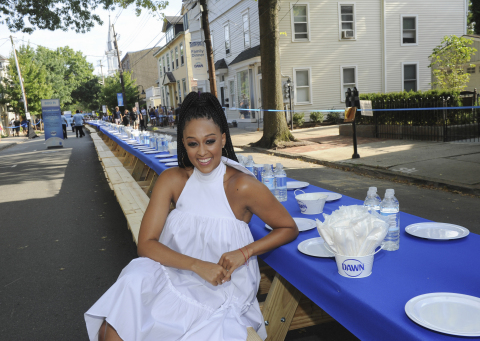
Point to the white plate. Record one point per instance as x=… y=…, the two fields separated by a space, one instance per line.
x=169 y=160
x=303 y=224
x=314 y=247
x=171 y=164
x=448 y=313
x=296 y=184
x=163 y=156
x=152 y=152
x=440 y=231
x=332 y=196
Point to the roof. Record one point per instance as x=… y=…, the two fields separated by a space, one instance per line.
x=170 y=77
x=2 y=57
x=173 y=19
x=472 y=36
x=221 y=64
x=247 y=54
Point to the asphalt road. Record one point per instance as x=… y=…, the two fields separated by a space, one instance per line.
x=64 y=239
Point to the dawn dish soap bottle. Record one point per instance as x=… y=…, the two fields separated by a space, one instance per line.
x=390 y=208
x=267 y=178
x=280 y=183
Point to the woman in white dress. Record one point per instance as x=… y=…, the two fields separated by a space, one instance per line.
x=197 y=275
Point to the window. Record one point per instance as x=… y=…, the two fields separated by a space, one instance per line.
x=347 y=21
x=243 y=91
x=409 y=30
x=300 y=23
x=184 y=83
x=349 y=79
x=470 y=69
x=179 y=92
x=410 y=76
x=168 y=63
x=181 y=54
x=246 y=31
x=169 y=33
x=173 y=61
x=176 y=56
x=259 y=69
x=164 y=65
x=226 y=31
x=185 y=22
x=231 y=87
x=302 y=80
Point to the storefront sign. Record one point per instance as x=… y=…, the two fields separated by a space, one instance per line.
x=199 y=60
x=366 y=105
x=104 y=109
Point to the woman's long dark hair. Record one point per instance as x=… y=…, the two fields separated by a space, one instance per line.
x=202 y=105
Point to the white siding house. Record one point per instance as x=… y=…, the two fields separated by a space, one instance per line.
x=327 y=46
x=375 y=45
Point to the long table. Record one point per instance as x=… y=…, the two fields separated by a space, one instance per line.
x=372 y=308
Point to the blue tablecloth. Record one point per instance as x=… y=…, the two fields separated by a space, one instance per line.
x=372 y=308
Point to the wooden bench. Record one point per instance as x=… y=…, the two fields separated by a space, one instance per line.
x=285 y=307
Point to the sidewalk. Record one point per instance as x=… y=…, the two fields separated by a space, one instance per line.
x=7 y=142
x=454 y=165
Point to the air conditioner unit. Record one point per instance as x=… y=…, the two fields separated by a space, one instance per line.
x=348 y=34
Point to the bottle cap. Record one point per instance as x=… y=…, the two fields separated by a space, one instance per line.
x=373 y=189
x=392 y=191
x=279 y=165
x=250 y=157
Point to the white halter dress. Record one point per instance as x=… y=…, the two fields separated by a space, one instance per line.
x=150 y=301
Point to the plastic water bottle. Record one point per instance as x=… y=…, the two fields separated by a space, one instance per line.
x=372 y=201
x=280 y=183
x=249 y=163
x=267 y=178
x=389 y=207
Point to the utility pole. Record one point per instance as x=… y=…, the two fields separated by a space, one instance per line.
x=208 y=45
x=101 y=70
x=20 y=77
x=120 y=68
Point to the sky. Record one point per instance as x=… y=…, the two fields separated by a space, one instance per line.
x=136 y=33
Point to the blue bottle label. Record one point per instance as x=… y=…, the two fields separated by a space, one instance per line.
x=281 y=181
x=268 y=181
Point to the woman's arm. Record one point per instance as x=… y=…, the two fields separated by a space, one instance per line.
x=258 y=199
x=152 y=226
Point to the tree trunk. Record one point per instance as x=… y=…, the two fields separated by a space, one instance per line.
x=275 y=129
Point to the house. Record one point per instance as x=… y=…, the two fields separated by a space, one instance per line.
x=474 y=71
x=140 y=64
x=173 y=60
x=5 y=115
x=328 y=46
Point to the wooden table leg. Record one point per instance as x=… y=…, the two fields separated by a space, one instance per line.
x=279 y=308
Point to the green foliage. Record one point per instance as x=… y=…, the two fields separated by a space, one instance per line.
x=299 y=119
x=448 y=60
x=88 y=95
x=113 y=86
x=404 y=99
x=316 y=117
x=333 y=117
x=35 y=82
x=65 y=14
x=474 y=17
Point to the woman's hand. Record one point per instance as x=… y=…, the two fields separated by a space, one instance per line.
x=230 y=261
x=212 y=273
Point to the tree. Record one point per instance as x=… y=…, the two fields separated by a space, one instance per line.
x=113 y=86
x=65 y=14
x=88 y=95
x=34 y=80
x=66 y=71
x=474 y=17
x=448 y=61
x=275 y=130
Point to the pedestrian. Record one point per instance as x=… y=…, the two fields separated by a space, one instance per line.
x=142 y=120
x=24 y=125
x=78 y=121
x=197 y=275
x=134 y=118
x=177 y=113
x=16 y=124
x=157 y=118
x=116 y=115
x=64 y=125
x=152 y=116
x=171 y=120
x=126 y=118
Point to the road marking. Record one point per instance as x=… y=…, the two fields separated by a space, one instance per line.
x=405 y=170
x=14 y=166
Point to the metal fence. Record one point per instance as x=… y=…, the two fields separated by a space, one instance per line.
x=428 y=120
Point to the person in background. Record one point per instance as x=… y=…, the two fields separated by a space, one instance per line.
x=141 y=118
x=134 y=118
x=64 y=125
x=24 y=125
x=126 y=118
x=16 y=124
x=157 y=118
x=177 y=113
x=152 y=116
x=78 y=122
x=11 y=124
x=116 y=115
x=171 y=120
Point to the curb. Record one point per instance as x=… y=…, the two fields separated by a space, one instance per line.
x=5 y=146
x=376 y=172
